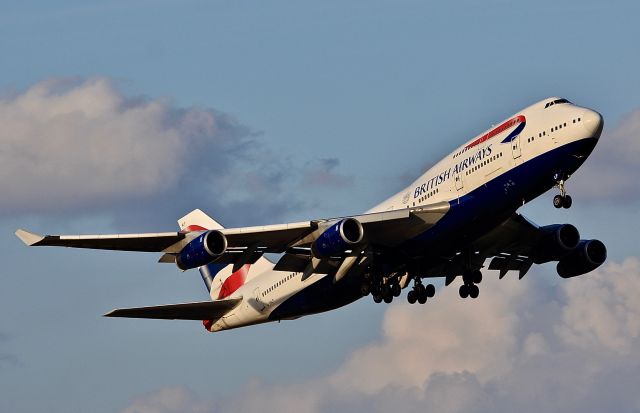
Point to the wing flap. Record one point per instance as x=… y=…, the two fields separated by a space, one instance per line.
x=203 y=310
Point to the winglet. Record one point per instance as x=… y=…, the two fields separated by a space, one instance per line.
x=29 y=238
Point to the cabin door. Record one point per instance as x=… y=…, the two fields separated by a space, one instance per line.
x=516 y=149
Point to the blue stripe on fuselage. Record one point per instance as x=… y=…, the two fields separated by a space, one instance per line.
x=490 y=204
x=469 y=217
x=514 y=133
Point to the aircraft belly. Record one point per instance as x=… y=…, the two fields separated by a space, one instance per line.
x=486 y=206
x=321 y=296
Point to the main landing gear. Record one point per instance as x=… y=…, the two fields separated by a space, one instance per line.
x=469 y=287
x=420 y=292
x=563 y=200
x=385 y=290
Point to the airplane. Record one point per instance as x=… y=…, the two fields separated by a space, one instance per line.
x=446 y=224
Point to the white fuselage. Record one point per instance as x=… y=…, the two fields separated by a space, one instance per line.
x=514 y=156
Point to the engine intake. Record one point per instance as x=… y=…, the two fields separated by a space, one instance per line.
x=588 y=255
x=340 y=237
x=561 y=239
x=202 y=250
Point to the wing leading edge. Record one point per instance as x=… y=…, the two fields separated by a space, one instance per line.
x=385 y=228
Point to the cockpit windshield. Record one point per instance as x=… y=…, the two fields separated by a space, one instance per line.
x=556 y=102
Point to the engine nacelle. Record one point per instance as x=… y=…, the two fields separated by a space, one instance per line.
x=587 y=256
x=561 y=239
x=340 y=237
x=202 y=250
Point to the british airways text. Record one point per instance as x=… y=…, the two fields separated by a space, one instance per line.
x=457 y=169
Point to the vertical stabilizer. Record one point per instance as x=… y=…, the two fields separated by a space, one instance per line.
x=221 y=279
x=197 y=220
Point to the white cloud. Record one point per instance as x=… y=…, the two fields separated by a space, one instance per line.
x=69 y=144
x=523 y=345
x=614 y=161
x=82 y=146
x=603 y=310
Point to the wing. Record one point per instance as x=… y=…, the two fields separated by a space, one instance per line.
x=512 y=246
x=245 y=244
x=149 y=242
x=205 y=310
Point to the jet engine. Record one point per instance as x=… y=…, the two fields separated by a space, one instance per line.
x=587 y=256
x=561 y=239
x=340 y=237
x=202 y=250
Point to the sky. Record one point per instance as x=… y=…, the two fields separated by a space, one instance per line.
x=122 y=116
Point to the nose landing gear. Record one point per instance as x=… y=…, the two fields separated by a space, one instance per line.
x=563 y=200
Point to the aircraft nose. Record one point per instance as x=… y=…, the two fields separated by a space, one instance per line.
x=593 y=123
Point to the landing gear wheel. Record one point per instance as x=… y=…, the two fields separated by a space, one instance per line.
x=396 y=290
x=386 y=291
x=474 y=291
x=422 y=295
x=412 y=297
x=377 y=299
x=463 y=291
x=431 y=290
x=558 y=201
x=566 y=202
x=477 y=277
x=388 y=298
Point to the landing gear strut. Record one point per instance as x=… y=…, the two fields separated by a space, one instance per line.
x=469 y=287
x=420 y=292
x=563 y=200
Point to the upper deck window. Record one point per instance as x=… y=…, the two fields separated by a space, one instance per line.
x=556 y=102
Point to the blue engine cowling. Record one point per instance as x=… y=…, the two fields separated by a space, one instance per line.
x=561 y=239
x=202 y=250
x=587 y=256
x=339 y=238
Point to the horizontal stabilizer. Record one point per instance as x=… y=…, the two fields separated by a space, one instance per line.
x=203 y=310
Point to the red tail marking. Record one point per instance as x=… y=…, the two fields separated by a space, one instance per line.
x=192 y=228
x=235 y=281
x=207 y=324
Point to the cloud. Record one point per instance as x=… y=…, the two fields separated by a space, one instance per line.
x=168 y=400
x=68 y=144
x=524 y=345
x=321 y=173
x=76 y=147
x=614 y=161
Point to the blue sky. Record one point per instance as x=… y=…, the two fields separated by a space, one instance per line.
x=264 y=112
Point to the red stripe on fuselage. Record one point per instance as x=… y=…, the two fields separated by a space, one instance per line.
x=234 y=281
x=498 y=130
